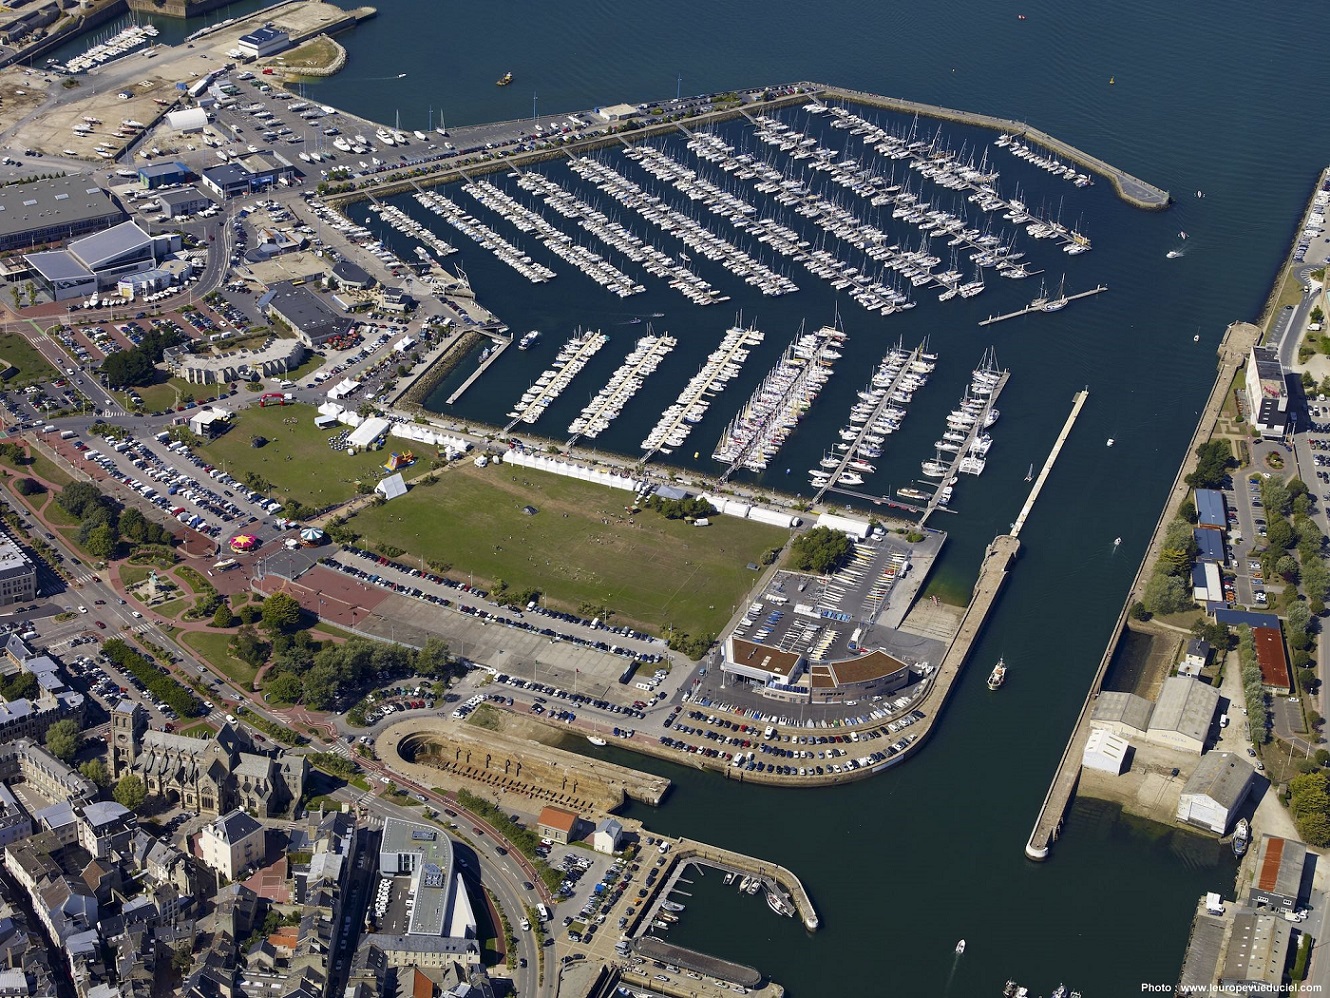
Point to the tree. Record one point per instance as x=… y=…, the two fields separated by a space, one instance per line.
x=1179 y=548
x=1287 y=566
x=95 y=770
x=821 y=550
x=223 y=617
x=1279 y=534
x=101 y=541
x=280 y=612
x=1166 y=594
x=1187 y=510
x=62 y=739
x=1139 y=612
x=28 y=487
x=76 y=497
x=131 y=792
x=182 y=958
x=1213 y=459
x=284 y=688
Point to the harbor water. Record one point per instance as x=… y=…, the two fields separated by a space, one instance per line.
x=905 y=864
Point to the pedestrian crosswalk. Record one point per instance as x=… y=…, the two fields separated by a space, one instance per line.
x=339 y=749
x=85 y=577
x=113 y=412
x=141 y=628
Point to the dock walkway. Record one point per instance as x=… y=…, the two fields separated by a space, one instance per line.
x=935 y=503
x=481 y=368
x=1029 y=309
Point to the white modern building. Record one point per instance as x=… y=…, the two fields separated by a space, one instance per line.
x=1267 y=391
x=263 y=42
x=437 y=902
x=97 y=262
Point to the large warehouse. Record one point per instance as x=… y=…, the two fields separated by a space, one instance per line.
x=307 y=315
x=51 y=211
x=1214 y=793
x=1183 y=714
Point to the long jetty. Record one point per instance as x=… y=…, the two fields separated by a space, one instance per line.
x=1078 y=403
x=1131 y=189
x=1098 y=290
x=1233 y=350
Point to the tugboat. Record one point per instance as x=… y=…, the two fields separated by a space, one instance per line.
x=504 y=80
x=1241 y=836
x=998 y=676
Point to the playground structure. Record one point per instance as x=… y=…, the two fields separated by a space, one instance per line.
x=396 y=461
x=244 y=543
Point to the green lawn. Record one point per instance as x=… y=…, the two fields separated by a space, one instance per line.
x=296 y=460
x=18 y=353
x=41 y=467
x=56 y=514
x=166 y=393
x=311 y=364
x=132 y=575
x=211 y=645
x=656 y=573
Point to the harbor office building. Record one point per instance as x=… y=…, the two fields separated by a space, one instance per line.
x=787 y=675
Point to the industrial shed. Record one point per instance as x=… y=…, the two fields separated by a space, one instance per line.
x=1124 y=714
x=1106 y=752
x=1183 y=714
x=1214 y=792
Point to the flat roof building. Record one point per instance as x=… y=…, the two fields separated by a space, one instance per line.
x=189 y=201
x=49 y=211
x=1267 y=392
x=1215 y=791
x=1183 y=714
x=97 y=262
x=438 y=902
x=307 y=315
x=1278 y=880
x=263 y=42
x=617 y=112
x=154 y=175
x=18 y=574
x=1209 y=545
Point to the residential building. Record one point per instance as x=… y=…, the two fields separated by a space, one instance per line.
x=607 y=836
x=557 y=824
x=232 y=844
x=18 y=573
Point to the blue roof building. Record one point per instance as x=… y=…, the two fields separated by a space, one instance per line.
x=1209 y=544
x=1210 y=508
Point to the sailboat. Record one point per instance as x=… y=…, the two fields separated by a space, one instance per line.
x=1056 y=303
x=1029 y=475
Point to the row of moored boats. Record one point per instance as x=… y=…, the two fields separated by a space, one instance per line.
x=690 y=408
x=572 y=357
x=606 y=405
x=113 y=48
x=488 y=239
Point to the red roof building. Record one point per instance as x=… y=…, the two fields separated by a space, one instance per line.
x=1273 y=660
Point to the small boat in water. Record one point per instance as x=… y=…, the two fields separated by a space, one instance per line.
x=998 y=675
x=504 y=80
x=594 y=740
x=1241 y=836
x=960 y=947
x=672 y=906
x=529 y=340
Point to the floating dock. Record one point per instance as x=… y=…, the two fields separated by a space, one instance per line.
x=1077 y=404
x=481 y=368
x=1029 y=309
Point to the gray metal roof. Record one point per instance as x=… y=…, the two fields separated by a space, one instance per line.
x=1257 y=949
x=57 y=265
x=187 y=196
x=1222 y=777
x=1123 y=708
x=65 y=200
x=1186 y=706
x=104 y=247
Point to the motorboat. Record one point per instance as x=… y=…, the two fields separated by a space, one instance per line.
x=504 y=80
x=998 y=676
x=960 y=947
x=1241 y=836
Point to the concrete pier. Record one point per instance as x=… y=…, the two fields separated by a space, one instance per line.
x=1029 y=309
x=689 y=851
x=1076 y=406
x=1233 y=350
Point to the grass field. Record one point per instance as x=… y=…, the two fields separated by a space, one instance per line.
x=166 y=393
x=212 y=647
x=17 y=352
x=296 y=459
x=579 y=548
x=36 y=464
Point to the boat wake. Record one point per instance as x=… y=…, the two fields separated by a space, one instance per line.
x=1173 y=254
